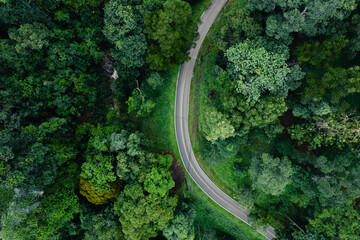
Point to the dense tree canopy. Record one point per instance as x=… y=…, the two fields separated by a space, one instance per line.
x=270 y=174
x=307 y=17
x=259 y=66
x=290 y=96
x=170 y=30
x=84 y=115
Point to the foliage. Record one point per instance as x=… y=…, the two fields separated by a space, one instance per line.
x=33 y=36
x=97 y=197
x=333 y=130
x=158 y=182
x=269 y=174
x=100 y=170
x=318 y=54
x=238 y=24
x=101 y=226
x=182 y=226
x=257 y=69
x=342 y=223
x=44 y=221
x=140 y=215
x=310 y=18
x=137 y=103
x=171 y=31
x=123 y=28
x=215 y=125
x=155 y=80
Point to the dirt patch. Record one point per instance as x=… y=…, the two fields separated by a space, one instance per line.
x=177 y=171
x=87 y=116
x=288 y=119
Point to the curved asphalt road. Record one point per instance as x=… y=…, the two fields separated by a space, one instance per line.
x=182 y=126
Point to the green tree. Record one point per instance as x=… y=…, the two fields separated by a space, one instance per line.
x=238 y=25
x=339 y=131
x=30 y=36
x=182 y=226
x=158 y=181
x=155 y=80
x=101 y=226
x=333 y=86
x=307 y=17
x=269 y=174
x=45 y=219
x=259 y=66
x=323 y=53
x=137 y=103
x=14 y=13
x=123 y=28
x=99 y=170
x=140 y=215
x=215 y=125
x=341 y=223
x=171 y=32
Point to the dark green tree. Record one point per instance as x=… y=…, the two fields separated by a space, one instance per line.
x=171 y=33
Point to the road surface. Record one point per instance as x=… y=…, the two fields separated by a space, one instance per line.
x=182 y=126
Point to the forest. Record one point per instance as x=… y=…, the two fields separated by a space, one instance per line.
x=278 y=89
x=87 y=148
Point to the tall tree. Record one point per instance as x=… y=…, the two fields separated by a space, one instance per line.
x=341 y=223
x=140 y=215
x=311 y=17
x=269 y=174
x=259 y=66
x=171 y=32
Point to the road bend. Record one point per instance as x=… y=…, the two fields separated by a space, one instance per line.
x=182 y=126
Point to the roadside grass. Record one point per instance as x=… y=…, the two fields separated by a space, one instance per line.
x=198 y=9
x=211 y=215
x=160 y=126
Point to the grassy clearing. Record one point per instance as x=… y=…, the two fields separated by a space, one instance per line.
x=160 y=125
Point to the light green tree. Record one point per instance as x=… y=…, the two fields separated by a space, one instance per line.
x=214 y=125
x=339 y=223
x=98 y=170
x=259 y=66
x=31 y=36
x=140 y=215
x=269 y=174
x=158 y=181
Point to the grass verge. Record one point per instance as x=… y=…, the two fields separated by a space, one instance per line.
x=210 y=215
